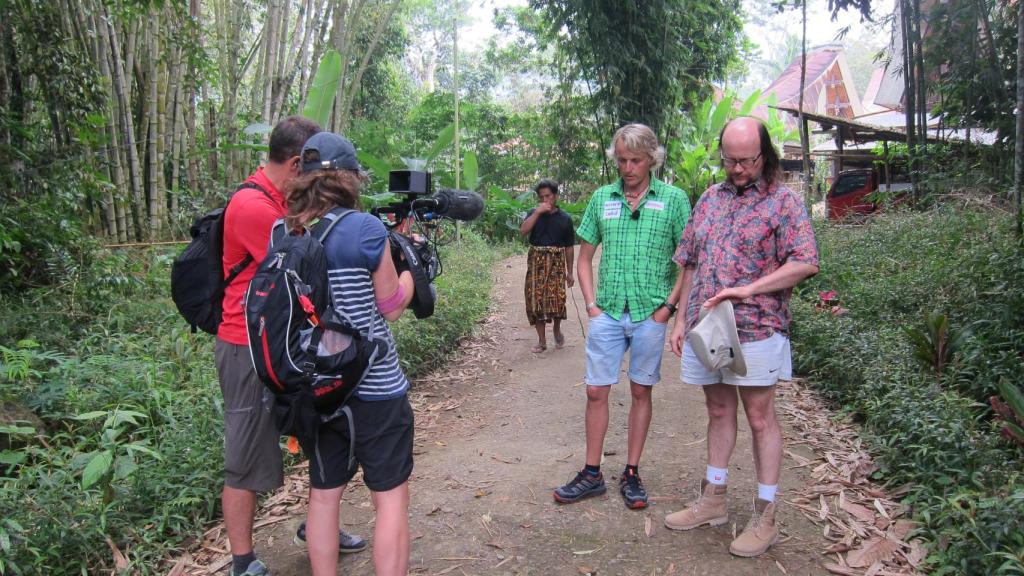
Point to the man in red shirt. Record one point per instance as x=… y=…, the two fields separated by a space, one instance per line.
x=252 y=454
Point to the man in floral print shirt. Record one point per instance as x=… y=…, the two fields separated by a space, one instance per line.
x=749 y=241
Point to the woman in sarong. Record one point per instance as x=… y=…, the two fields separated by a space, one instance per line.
x=549 y=264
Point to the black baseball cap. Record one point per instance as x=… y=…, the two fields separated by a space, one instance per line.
x=329 y=151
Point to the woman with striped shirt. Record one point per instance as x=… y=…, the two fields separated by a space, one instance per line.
x=367 y=289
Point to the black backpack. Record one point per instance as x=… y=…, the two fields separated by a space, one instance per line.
x=303 y=349
x=197 y=275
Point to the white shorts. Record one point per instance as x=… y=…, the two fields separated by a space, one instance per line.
x=768 y=361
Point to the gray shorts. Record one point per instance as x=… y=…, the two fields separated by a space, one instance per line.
x=252 y=450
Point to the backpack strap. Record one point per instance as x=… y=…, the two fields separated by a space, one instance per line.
x=235 y=270
x=329 y=221
x=247 y=185
x=278 y=231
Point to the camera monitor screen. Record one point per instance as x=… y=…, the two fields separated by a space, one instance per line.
x=409 y=182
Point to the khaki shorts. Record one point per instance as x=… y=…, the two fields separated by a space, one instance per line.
x=252 y=449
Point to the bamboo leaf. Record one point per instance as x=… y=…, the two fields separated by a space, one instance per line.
x=91 y=415
x=320 y=99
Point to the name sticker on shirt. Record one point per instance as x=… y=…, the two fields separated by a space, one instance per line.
x=612 y=209
x=655 y=205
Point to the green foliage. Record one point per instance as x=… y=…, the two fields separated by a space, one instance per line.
x=505 y=213
x=696 y=152
x=932 y=431
x=131 y=448
x=645 y=59
x=977 y=86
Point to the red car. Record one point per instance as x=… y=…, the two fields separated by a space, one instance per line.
x=849 y=195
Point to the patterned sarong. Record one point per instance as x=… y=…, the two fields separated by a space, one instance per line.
x=545 y=284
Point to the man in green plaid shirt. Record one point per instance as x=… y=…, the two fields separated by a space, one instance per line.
x=639 y=220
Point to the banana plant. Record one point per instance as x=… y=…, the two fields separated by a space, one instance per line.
x=320 y=99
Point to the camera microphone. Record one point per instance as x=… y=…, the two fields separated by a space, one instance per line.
x=462 y=205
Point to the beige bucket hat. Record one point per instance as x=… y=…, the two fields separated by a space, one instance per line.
x=715 y=341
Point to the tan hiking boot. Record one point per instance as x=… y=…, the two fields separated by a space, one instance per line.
x=709 y=508
x=760 y=532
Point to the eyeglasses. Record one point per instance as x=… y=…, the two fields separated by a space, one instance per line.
x=743 y=162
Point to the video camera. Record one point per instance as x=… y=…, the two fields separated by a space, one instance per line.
x=414 y=225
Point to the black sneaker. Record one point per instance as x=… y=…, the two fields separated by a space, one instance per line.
x=633 y=491
x=582 y=486
x=347 y=543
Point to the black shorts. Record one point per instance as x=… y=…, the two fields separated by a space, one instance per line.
x=383 y=447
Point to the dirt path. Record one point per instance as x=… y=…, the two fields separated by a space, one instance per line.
x=501 y=427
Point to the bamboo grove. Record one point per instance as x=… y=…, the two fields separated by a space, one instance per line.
x=154 y=98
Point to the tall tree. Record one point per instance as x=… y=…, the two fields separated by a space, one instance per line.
x=805 y=140
x=1018 y=157
x=645 y=59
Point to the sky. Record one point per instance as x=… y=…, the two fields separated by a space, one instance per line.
x=820 y=28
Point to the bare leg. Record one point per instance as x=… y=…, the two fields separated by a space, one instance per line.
x=391 y=533
x=239 y=512
x=557 y=330
x=322 y=530
x=639 y=421
x=722 y=404
x=541 y=340
x=759 y=404
x=596 y=421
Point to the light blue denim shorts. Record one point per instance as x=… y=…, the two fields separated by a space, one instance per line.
x=768 y=361
x=608 y=341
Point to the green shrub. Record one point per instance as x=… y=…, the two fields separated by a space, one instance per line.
x=133 y=414
x=931 y=429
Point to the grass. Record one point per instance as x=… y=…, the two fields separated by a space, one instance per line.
x=127 y=453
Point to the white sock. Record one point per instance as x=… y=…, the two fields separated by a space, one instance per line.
x=767 y=492
x=717 y=476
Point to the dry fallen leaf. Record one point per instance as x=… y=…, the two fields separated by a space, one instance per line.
x=874 y=550
x=857 y=511
x=586 y=571
x=916 y=554
x=648 y=526
x=781 y=567
x=901 y=528
x=874 y=569
x=880 y=508
x=837 y=548
x=837 y=569
x=120 y=562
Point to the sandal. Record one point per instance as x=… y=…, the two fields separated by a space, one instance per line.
x=538 y=348
x=560 y=341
